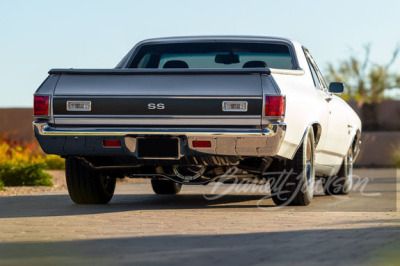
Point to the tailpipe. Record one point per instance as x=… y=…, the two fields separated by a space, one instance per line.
x=188 y=173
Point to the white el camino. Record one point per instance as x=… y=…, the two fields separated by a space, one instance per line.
x=187 y=110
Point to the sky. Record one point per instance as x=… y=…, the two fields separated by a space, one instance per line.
x=38 y=35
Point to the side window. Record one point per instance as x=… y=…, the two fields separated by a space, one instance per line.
x=315 y=77
x=315 y=71
x=320 y=77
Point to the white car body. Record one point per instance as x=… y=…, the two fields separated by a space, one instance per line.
x=306 y=105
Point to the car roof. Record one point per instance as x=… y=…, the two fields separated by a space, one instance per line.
x=216 y=38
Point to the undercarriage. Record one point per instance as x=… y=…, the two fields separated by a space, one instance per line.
x=187 y=170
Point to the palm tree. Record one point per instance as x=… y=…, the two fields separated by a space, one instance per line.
x=366 y=82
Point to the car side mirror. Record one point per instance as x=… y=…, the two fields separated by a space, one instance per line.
x=336 y=87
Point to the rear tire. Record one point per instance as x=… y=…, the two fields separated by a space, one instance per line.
x=342 y=183
x=87 y=186
x=162 y=186
x=296 y=186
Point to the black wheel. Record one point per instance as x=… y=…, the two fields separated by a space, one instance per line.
x=86 y=186
x=162 y=186
x=341 y=183
x=296 y=186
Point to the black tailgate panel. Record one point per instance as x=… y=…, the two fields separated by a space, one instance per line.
x=139 y=106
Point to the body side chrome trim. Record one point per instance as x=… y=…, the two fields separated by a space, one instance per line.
x=158 y=121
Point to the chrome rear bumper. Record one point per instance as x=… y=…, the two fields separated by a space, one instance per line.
x=88 y=141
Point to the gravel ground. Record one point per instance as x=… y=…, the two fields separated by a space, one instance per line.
x=58 y=182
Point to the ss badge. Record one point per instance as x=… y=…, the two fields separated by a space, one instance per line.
x=153 y=106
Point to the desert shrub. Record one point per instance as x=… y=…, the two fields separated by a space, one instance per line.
x=24 y=174
x=54 y=162
x=22 y=164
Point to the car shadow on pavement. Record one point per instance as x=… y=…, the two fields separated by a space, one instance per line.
x=61 y=205
x=361 y=246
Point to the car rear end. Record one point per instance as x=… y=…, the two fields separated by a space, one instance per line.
x=169 y=104
x=158 y=116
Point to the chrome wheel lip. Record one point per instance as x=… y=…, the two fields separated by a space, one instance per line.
x=349 y=173
x=308 y=173
x=309 y=179
x=309 y=169
x=349 y=162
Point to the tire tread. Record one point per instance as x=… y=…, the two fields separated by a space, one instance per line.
x=296 y=165
x=167 y=187
x=85 y=185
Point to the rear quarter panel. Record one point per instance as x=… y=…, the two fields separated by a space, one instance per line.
x=304 y=106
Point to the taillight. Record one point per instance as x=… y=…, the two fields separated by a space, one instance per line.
x=201 y=144
x=112 y=143
x=41 y=105
x=275 y=105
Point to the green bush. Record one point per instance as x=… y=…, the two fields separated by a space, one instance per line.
x=22 y=165
x=24 y=174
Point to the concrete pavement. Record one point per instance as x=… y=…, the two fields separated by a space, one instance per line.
x=138 y=227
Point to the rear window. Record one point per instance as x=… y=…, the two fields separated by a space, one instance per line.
x=213 y=55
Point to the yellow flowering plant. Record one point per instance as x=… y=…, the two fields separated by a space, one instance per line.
x=22 y=164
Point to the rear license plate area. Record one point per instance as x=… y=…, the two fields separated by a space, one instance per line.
x=158 y=148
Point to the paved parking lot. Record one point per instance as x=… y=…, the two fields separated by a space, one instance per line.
x=138 y=227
